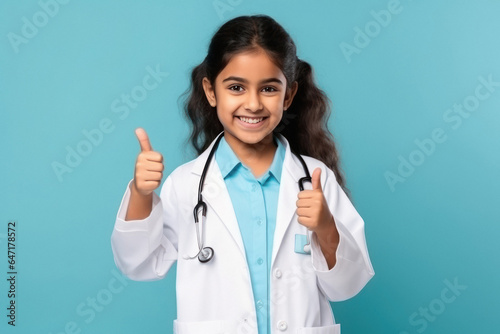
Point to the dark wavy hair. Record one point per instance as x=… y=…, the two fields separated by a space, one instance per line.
x=304 y=124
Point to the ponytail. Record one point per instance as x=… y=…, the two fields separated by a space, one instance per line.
x=305 y=123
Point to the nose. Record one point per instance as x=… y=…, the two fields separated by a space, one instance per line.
x=253 y=102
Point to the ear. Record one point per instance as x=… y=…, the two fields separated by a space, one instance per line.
x=209 y=92
x=289 y=95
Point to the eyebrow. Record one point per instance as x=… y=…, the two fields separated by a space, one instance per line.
x=233 y=78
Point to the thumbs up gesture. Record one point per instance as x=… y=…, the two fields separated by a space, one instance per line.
x=312 y=209
x=148 y=167
x=313 y=213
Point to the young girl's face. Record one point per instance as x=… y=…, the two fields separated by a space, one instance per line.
x=250 y=94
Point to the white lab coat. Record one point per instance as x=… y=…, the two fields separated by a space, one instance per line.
x=216 y=297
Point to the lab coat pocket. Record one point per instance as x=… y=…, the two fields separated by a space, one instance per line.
x=196 y=327
x=333 y=329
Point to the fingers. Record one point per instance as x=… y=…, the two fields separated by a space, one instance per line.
x=147 y=176
x=143 y=138
x=152 y=156
x=316 y=179
x=311 y=195
x=146 y=187
x=306 y=221
x=305 y=212
x=316 y=185
x=307 y=202
x=148 y=167
x=311 y=203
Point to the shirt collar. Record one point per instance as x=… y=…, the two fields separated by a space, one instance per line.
x=277 y=164
x=227 y=159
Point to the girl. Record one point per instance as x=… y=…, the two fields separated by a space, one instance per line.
x=265 y=256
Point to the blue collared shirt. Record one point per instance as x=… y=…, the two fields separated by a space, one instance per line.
x=255 y=203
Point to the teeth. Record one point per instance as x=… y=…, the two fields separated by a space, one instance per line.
x=251 y=120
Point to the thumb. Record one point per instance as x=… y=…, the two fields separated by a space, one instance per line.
x=316 y=179
x=143 y=138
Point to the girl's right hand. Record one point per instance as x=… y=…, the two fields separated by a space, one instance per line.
x=148 y=167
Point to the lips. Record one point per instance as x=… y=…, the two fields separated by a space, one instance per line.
x=251 y=120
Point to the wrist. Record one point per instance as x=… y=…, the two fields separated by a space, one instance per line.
x=328 y=232
x=327 y=227
x=138 y=193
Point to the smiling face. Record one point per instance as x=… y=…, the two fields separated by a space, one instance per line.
x=250 y=94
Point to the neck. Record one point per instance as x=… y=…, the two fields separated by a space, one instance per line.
x=259 y=155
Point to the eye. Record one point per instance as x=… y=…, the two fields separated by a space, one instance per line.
x=269 y=89
x=236 y=88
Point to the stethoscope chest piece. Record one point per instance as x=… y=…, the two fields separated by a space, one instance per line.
x=206 y=254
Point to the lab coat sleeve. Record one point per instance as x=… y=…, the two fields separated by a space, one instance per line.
x=144 y=250
x=353 y=268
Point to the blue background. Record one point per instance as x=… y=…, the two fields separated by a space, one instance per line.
x=440 y=225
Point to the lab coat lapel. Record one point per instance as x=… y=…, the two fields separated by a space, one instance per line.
x=287 y=198
x=216 y=196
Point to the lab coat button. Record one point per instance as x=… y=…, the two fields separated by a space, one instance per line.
x=260 y=261
x=254 y=186
x=282 y=325
x=278 y=273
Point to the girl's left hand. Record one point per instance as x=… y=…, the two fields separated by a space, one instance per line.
x=312 y=209
x=313 y=213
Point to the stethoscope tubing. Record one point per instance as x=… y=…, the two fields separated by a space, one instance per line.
x=205 y=254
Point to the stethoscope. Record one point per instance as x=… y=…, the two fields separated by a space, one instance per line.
x=206 y=253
